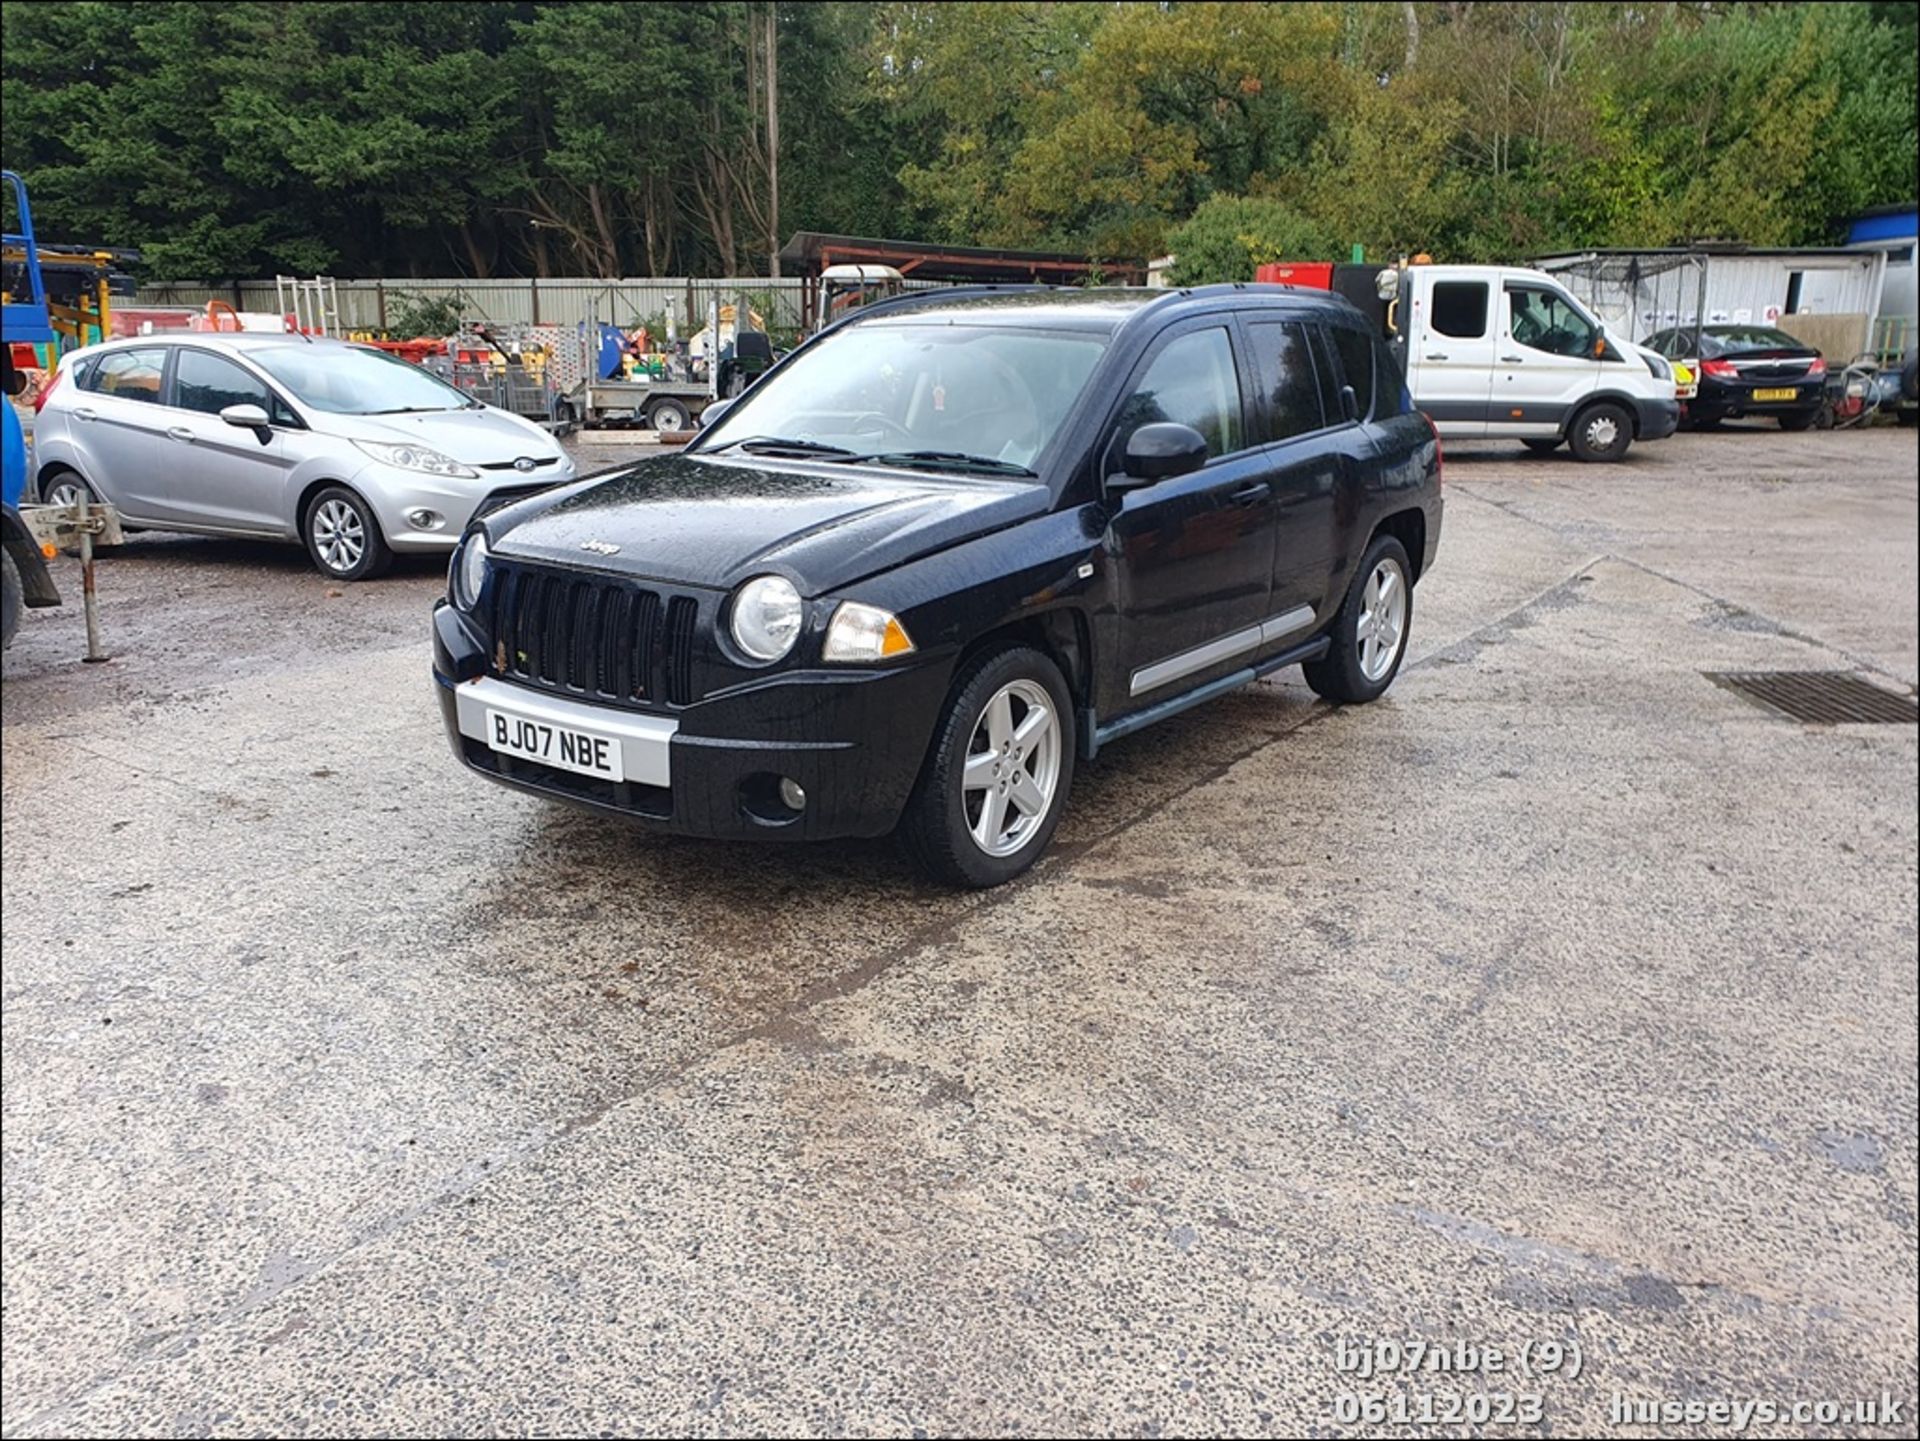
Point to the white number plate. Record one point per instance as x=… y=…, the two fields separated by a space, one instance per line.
x=562 y=747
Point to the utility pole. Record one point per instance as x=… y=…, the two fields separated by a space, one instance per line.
x=773 y=138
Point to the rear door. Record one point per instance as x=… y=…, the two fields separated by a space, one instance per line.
x=1547 y=361
x=1305 y=463
x=1193 y=553
x=1450 y=354
x=220 y=475
x=118 y=423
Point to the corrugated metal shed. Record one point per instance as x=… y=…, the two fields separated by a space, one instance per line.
x=1641 y=291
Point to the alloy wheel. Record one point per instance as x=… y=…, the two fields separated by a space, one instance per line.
x=1012 y=769
x=1383 y=619
x=339 y=535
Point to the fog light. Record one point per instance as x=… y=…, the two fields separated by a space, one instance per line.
x=791 y=795
x=425 y=519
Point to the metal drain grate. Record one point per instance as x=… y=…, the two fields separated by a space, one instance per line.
x=1821 y=697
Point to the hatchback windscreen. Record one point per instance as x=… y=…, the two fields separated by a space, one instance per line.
x=930 y=393
x=346 y=380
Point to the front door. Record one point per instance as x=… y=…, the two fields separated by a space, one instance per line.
x=1547 y=365
x=1450 y=355
x=1193 y=554
x=221 y=476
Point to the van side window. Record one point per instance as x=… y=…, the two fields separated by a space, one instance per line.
x=1460 y=309
x=1193 y=382
x=1356 y=365
x=1546 y=320
x=1283 y=367
x=129 y=374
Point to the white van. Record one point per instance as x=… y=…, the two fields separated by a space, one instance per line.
x=1498 y=352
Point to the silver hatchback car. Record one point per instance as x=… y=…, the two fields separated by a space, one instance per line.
x=341 y=447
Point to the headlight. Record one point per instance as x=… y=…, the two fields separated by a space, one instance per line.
x=469 y=571
x=766 y=617
x=1656 y=367
x=864 y=633
x=416 y=457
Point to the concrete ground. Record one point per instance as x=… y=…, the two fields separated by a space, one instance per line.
x=1560 y=997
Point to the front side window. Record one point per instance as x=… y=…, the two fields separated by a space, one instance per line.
x=1460 y=309
x=1546 y=320
x=350 y=380
x=1191 y=382
x=129 y=374
x=1283 y=364
x=922 y=383
x=210 y=383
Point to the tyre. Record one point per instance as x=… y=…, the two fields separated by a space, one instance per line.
x=1601 y=432
x=64 y=487
x=343 y=536
x=998 y=772
x=1803 y=421
x=1369 y=635
x=669 y=415
x=12 y=598
x=1542 y=446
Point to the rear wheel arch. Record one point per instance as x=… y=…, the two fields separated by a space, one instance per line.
x=1409 y=527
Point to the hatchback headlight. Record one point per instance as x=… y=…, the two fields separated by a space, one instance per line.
x=864 y=633
x=416 y=457
x=766 y=617
x=469 y=572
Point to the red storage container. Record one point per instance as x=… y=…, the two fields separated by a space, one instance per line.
x=1313 y=274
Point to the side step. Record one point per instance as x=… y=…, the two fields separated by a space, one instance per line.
x=1094 y=735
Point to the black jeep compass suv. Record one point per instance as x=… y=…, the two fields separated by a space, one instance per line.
x=942 y=554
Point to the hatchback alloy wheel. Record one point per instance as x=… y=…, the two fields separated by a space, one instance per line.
x=339 y=535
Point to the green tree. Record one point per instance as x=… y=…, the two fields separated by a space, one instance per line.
x=1230 y=235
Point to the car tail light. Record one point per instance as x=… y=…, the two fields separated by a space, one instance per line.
x=48 y=389
x=1818 y=367
x=1719 y=369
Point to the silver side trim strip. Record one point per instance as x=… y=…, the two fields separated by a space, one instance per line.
x=1165 y=672
x=1286 y=623
x=646 y=742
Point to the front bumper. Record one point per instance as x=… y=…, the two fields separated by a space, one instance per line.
x=1657 y=419
x=395 y=494
x=853 y=739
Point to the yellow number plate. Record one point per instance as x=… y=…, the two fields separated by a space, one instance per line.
x=1776 y=394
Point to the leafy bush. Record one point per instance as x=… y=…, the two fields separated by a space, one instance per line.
x=422 y=317
x=1229 y=235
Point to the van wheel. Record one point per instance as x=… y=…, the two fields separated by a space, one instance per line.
x=1601 y=432
x=1542 y=446
x=343 y=536
x=1369 y=635
x=997 y=777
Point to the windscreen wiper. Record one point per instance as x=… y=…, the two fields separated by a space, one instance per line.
x=755 y=444
x=947 y=460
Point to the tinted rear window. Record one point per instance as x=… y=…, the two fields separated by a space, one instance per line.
x=1460 y=308
x=1389 y=381
x=1284 y=368
x=1756 y=337
x=1356 y=364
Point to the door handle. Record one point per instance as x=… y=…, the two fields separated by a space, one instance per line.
x=1251 y=494
x=180 y=432
x=1432 y=356
x=82 y=413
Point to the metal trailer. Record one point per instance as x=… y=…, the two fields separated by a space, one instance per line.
x=671 y=404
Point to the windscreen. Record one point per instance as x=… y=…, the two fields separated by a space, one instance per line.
x=347 y=380
x=922 y=385
x=1746 y=338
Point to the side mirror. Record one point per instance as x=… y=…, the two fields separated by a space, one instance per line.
x=249 y=417
x=714 y=411
x=1161 y=450
x=1349 y=403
